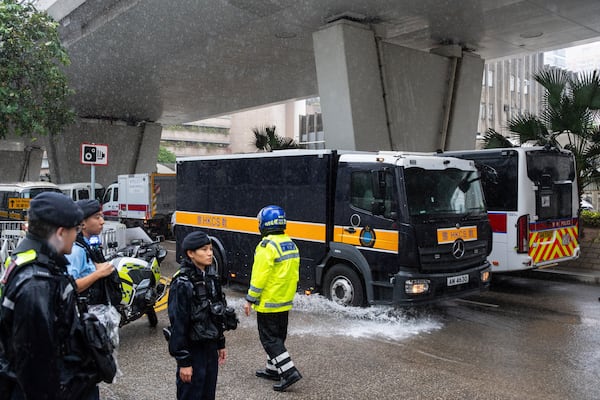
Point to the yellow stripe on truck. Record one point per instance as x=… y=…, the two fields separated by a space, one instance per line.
x=297 y=230
x=309 y=231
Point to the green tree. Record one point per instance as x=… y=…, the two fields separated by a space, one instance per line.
x=571 y=105
x=266 y=139
x=165 y=156
x=33 y=88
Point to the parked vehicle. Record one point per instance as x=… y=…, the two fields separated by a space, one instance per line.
x=586 y=205
x=138 y=265
x=82 y=190
x=144 y=200
x=531 y=195
x=15 y=197
x=371 y=228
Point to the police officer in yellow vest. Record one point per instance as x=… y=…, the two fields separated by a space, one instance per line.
x=42 y=355
x=273 y=284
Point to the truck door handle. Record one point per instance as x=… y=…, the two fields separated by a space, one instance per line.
x=350 y=230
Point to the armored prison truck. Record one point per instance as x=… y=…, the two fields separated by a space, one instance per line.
x=381 y=227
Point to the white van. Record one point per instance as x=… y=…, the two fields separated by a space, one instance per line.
x=81 y=190
x=110 y=201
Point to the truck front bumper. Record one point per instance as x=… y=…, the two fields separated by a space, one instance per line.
x=421 y=288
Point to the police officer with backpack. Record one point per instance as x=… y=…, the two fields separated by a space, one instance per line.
x=273 y=285
x=42 y=354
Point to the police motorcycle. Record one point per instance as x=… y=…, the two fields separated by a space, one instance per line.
x=138 y=266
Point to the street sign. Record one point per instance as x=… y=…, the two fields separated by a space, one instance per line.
x=17 y=203
x=94 y=154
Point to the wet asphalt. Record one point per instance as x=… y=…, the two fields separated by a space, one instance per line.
x=524 y=339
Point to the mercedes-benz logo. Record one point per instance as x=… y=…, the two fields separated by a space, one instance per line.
x=458 y=248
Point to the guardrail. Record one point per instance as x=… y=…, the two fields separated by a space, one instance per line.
x=113 y=237
x=11 y=234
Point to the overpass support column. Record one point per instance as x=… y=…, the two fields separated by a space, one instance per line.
x=379 y=96
x=354 y=115
x=132 y=148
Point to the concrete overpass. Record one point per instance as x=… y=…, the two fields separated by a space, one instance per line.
x=391 y=74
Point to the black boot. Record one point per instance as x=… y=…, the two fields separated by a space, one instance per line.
x=267 y=374
x=287 y=381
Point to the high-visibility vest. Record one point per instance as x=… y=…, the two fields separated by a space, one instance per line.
x=275 y=274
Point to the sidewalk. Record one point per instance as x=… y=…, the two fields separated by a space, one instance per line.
x=567 y=274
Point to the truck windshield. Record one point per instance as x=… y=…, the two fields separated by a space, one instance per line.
x=443 y=192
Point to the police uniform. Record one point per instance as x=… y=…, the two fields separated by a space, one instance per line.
x=42 y=355
x=273 y=285
x=195 y=338
x=82 y=263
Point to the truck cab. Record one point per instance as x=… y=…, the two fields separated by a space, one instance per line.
x=415 y=226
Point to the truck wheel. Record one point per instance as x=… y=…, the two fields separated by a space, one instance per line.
x=218 y=263
x=343 y=285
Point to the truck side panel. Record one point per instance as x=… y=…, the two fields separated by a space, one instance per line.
x=223 y=197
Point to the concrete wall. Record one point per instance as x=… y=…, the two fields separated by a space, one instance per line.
x=131 y=149
x=590 y=251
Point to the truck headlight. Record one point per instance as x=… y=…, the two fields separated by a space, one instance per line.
x=416 y=286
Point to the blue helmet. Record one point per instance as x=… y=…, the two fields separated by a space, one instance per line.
x=271 y=219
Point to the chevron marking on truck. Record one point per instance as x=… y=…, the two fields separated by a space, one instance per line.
x=553 y=244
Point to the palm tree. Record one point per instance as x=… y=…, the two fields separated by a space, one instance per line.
x=571 y=106
x=267 y=140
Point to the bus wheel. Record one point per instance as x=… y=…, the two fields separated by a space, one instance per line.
x=218 y=263
x=343 y=285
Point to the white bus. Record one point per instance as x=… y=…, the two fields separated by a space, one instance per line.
x=15 y=197
x=532 y=201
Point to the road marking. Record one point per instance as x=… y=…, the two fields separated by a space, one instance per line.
x=478 y=303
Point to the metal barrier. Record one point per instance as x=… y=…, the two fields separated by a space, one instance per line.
x=11 y=234
x=113 y=237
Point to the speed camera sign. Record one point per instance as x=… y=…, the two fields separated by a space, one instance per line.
x=96 y=154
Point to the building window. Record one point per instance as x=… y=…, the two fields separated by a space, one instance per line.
x=525 y=86
x=512 y=83
x=491 y=112
x=490 y=78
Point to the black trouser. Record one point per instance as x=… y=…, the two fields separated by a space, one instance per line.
x=205 y=367
x=272 y=331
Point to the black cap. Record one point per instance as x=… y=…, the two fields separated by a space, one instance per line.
x=89 y=207
x=194 y=241
x=55 y=209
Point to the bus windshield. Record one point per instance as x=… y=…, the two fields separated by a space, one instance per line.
x=443 y=192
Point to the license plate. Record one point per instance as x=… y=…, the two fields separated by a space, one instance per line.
x=449 y=235
x=458 y=280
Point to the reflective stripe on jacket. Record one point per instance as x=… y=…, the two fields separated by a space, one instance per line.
x=275 y=274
